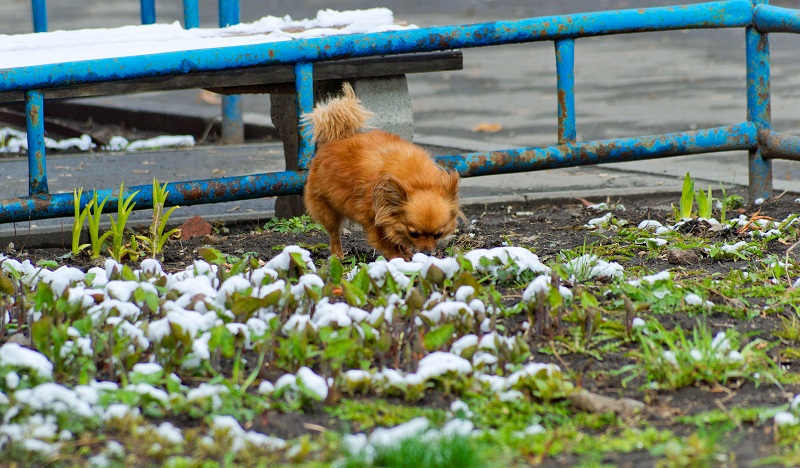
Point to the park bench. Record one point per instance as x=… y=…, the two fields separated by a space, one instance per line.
x=379 y=81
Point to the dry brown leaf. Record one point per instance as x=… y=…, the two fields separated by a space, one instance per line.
x=487 y=127
x=208 y=97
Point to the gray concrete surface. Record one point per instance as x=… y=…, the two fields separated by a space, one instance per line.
x=388 y=100
x=627 y=85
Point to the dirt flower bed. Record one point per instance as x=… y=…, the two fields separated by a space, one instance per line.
x=554 y=333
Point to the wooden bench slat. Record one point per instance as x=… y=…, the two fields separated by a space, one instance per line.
x=260 y=80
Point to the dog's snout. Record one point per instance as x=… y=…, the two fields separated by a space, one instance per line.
x=426 y=251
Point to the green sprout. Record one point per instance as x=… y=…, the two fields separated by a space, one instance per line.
x=684 y=210
x=154 y=243
x=723 y=205
x=705 y=203
x=124 y=209
x=296 y=225
x=95 y=211
x=78 y=222
x=672 y=359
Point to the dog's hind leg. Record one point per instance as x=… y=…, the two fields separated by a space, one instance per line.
x=323 y=213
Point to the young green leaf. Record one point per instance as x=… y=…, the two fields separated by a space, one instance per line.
x=339 y=347
x=78 y=222
x=353 y=295
x=687 y=196
x=361 y=280
x=437 y=337
x=6 y=285
x=704 y=203
x=335 y=270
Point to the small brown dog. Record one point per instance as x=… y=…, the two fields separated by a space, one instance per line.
x=404 y=201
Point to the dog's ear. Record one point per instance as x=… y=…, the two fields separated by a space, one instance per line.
x=390 y=191
x=388 y=197
x=450 y=180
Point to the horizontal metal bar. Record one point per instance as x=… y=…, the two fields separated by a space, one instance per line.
x=733 y=13
x=733 y=137
x=776 y=145
x=768 y=18
x=194 y=192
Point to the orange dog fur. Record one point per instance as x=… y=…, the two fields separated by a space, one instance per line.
x=404 y=201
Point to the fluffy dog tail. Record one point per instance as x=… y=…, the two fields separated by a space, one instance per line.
x=337 y=118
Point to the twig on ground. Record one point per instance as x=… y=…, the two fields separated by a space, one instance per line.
x=727 y=413
x=755 y=217
x=786 y=262
x=594 y=403
x=555 y=353
x=779 y=196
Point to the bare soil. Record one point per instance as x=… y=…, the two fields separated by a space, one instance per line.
x=547 y=227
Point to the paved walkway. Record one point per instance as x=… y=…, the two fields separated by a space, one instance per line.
x=627 y=85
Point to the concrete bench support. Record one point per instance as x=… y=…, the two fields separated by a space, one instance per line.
x=386 y=96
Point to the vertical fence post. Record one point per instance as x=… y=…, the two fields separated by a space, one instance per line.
x=148 y=10
x=304 y=88
x=565 y=82
x=34 y=117
x=228 y=12
x=232 y=106
x=37 y=163
x=39 y=15
x=758 y=108
x=191 y=14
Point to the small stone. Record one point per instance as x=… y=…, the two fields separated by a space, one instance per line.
x=20 y=339
x=212 y=239
x=682 y=257
x=195 y=227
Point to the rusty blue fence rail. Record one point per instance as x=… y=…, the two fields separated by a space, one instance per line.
x=232 y=106
x=754 y=135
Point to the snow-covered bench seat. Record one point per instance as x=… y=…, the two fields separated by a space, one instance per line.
x=379 y=81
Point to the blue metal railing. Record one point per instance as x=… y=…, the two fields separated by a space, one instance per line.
x=565 y=89
x=754 y=135
x=232 y=106
x=39 y=15
x=191 y=14
x=147 y=8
